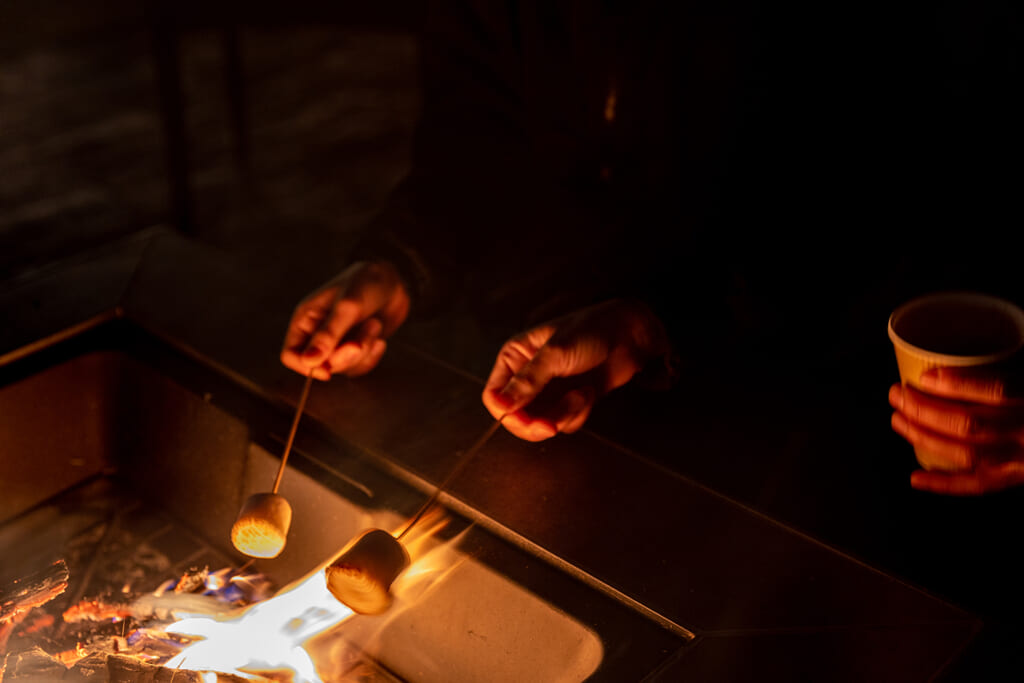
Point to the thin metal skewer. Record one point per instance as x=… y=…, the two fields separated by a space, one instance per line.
x=361 y=576
x=466 y=457
x=295 y=426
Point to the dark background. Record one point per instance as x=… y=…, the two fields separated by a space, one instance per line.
x=328 y=98
x=884 y=124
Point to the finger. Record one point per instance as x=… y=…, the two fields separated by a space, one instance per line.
x=948 y=454
x=344 y=314
x=574 y=409
x=514 y=355
x=305 y=320
x=296 y=362
x=526 y=384
x=947 y=484
x=566 y=415
x=528 y=427
x=988 y=478
x=357 y=343
x=369 y=360
x=563 y=412
x=981 y=424
x=967 y=386
x=292 y=361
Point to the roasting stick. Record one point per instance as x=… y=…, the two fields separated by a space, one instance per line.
x=295 y=427
x=361 y=576
x=262 y=525
x=459 y=466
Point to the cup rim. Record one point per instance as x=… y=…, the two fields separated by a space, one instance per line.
x=1016 y=313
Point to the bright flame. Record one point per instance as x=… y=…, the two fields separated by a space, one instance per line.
x=265 y=637
x=270 y=638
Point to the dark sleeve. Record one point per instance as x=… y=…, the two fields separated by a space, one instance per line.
x=468 y=149
x=495 y=209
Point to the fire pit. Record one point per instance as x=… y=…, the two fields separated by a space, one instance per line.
x=582 y=557
x=127 y=460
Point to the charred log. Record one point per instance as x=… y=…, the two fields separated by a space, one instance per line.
x=122 y=669
x=22 y=595
x=33 y=590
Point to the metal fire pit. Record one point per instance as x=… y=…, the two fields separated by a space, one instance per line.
x=130 y=459
x=664 y=546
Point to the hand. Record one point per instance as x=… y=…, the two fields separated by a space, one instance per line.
x=341 y=327
x=547 y=379
x=973 y=425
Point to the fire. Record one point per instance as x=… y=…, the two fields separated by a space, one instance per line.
x=227 y=627
x=272 y=639
x=265 y=640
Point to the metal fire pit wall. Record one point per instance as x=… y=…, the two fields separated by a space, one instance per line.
x=113 y=427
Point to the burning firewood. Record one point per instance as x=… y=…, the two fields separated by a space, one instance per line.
x=95 y=610
x=36 y=666
x=31 y=665
x=33 y=590
x=18 y=599
x=193 y=580
x=122 y=669
x=117 y=637
x=197 y=591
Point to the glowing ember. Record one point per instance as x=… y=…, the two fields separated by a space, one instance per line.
x=265 y=640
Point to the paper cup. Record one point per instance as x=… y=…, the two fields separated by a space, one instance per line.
x=953 y=329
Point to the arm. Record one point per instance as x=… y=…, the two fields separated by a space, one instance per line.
x=467 y=152
x=412 y=255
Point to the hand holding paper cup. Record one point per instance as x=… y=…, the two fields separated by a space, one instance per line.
x=971 y=332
